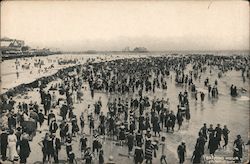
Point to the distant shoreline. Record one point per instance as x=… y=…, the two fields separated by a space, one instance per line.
x=180 y=52
x=16 y=56
x=167 y=51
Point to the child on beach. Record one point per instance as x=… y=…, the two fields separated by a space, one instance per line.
x=163 y=147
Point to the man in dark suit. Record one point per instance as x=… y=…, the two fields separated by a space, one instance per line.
x=57 y=147
x=4 y=143
x=51 y=116
x=24 y=149
x=47 y=103
x=53 y=126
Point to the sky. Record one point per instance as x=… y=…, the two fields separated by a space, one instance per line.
x=109 y=25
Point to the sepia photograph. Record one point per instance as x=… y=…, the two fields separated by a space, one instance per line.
x=124 y=82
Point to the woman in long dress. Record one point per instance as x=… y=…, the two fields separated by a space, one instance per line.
x=212 y=146
x=12 y=140
x=24 y=149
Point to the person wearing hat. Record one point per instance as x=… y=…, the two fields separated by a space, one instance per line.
x=4 y=143
x=130 y=142
x=147 y=123
x=24 y=148
x=53 y=100
x=172 y=119
x=35 y=107
x=212 y=145
x=53 y=126
x=204 y=131
x=51 y=116
x=211 y=131
x=19 y=117
x=163 y=146
x=88 y=156
x=156 y=126
x=24 y=107
x=238 y=145
x=179 y=118
x=139 y=137
x=95 y=144
x=200 y=143
x=64 y=128
x=68 y=144
x=149 y=149
x=50 y=147
x=12 y=121
x=12 y=140
x=44 y=145
x=33 y=115
x=225 y=133
x=56 y=147
x=64 y=110
x=47 y=102
x=138 y=154
x=83 y=143
x=122 y=134
x=75 y=127
x=40 y=117
x=181 y=151
x=18 y=134
x=101 y=157
x=132 y=126
x=196 y=157
x=82 y=122
x=218 y=134
x=148 y=138
x=91 y=124
x=71 y=157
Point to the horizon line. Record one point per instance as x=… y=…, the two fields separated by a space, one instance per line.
x=155 y=50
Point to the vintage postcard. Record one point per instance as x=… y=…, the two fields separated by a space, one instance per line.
x=123 y=82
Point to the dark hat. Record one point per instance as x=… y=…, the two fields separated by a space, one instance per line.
x=19 y=128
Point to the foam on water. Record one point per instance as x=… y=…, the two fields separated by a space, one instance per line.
x=243 y=98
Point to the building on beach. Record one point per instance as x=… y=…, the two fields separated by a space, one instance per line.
x=13 y=48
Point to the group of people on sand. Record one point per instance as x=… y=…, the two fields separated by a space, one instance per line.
x=42 y=66
x=14 y=145
x=214 y=136
x=131 y=117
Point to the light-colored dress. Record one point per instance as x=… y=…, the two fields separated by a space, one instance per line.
x=4 y=121
x=74 y=95
x=53 y=99
x=12 y=146
x=25 y=117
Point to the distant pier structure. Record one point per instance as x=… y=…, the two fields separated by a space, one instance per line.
x=126 y=49
x=136 y=49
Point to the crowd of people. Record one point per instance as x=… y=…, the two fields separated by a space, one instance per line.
x=131 y=117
